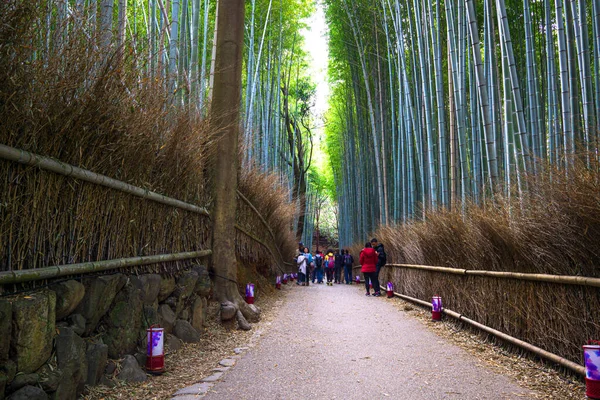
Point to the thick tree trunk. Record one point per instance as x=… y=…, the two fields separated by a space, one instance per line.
x=225 y=111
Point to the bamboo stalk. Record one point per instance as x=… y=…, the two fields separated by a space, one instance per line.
x=578 y=369
x=48 y=164
x=558 y=279
x=11 y=277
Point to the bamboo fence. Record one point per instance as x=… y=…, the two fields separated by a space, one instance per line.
x=550 y=316
x=250 y=230
x=559 y=279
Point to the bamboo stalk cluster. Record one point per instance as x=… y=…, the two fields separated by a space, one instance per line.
x=441 y=103
x=82 y=108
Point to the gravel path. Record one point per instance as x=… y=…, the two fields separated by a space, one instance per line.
x=336 y=343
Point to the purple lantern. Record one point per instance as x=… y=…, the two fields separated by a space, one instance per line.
x=250 y=293
x=436 y=308
x=155 y=360
x=390 y=290
x=591 y=357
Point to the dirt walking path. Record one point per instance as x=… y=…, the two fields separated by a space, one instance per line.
x=336 y=343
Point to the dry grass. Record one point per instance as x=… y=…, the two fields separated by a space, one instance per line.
x=271 y=199
x=554 y=229
x=99 y=112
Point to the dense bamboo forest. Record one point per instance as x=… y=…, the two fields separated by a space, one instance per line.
x=172 y=44
x=439 y=104
x=434 y=105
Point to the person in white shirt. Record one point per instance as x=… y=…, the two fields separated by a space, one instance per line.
x=302 y=268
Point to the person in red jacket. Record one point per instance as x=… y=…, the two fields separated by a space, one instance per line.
x=368 y=262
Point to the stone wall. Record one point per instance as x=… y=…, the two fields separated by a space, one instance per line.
x=56 y=340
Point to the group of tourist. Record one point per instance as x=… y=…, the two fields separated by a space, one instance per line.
x=326 y=267
x=330 y=265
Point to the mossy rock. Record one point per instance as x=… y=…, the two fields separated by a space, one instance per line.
x=123 y=323
x=5 y=329
x=72 y=364
x=33 y=318
x=9 y=369
x=3 y=383
x=68 y=296
x=150 y=285
x=99 y=295
x=167 y=286
x=198 y=314
x=204 y=284
x=186 y=284
x=166 y=318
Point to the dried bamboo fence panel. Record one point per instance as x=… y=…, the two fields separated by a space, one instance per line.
x=54 y=215
x=558 y=316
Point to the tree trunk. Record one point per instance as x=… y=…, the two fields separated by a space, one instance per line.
x=225 y=110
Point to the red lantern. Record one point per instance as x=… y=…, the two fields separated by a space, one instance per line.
x=357 y=279
x=155 y=355
x=285 y=279
x=436 y=308
x=278 y=282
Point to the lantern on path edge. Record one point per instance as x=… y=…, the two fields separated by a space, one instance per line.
x=285 y=279
x=357 y=279
x=436 y=308
x=390 y=290
x=155 y=355
x=278 y=282
x=250 y=293
x=591 y=357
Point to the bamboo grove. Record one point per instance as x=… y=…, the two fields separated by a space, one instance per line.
x=438 y=104
x=173 y=45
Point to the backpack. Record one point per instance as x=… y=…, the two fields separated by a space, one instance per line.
x=348 y=259
x=318 y=260
x=331 y=263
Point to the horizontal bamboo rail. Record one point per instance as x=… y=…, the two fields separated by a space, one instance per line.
x=36 y=274
x=559 y=279
x=48 y=164
x=578 y=369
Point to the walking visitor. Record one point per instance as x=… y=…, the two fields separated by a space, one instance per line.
x=348 y=263
x=318 y=271
x=310 y=265
x=368 y=261
x=339 y=264
x=381 y=256
x=301 y=261
x=329 y=267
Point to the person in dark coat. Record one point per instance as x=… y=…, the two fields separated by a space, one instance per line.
x=381 y=256
x=368 y=262
x=339 y=265
x=318 y=271
x=348 y=263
